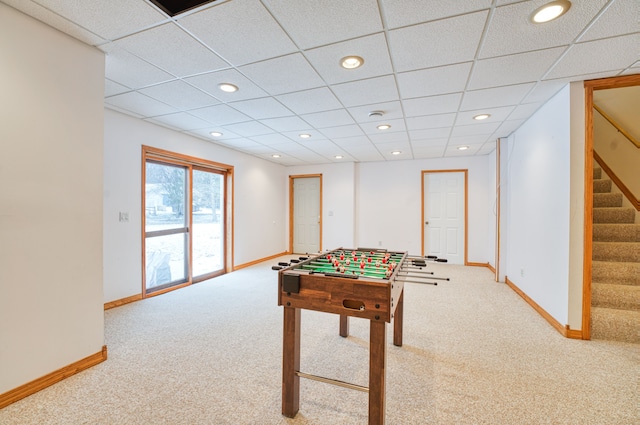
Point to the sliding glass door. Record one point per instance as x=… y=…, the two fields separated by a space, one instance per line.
x=184 y=238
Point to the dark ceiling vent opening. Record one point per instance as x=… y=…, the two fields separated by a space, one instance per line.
x=176 y=7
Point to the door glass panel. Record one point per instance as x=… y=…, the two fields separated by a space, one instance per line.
x=208 y=222
x=166 y=226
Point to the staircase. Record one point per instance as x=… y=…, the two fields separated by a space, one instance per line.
x=615 y=287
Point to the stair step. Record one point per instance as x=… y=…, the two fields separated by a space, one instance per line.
x=601 y=186
x=597 y=173
x=616 y=251
x=618 y=272
x=612 y=295
x=614 y=215
x=606 y=232
x=615 y=325
x=607 y=199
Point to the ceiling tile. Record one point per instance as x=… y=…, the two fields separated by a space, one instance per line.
x=511 y=31
x=179 y=94
x=248 y=129
x=598 y=56
x=308 y=101
x=140 y=104
x=342 y=131
x=328 y=118
x=495 y=97
x=426 y=153
x=242 y=19
x=276 y=141
x=366 y=92
x=364 y=154
x=523 y=68
x=124 y=68
x=373 y=49
x=241 y=143
x=179 y=53
x=220 y=115
x=454 y=151
x=285 y=74
x=390 y=110
x=286 y=124
x=108 y=19
x=544 y=90
x=620 y=17
x=400 y=13
x=206 y=133
x=444 y=42
x=210 y=82
x=181 y=120
x=295 y=136
x=430 y=121
x=372 y=127
x=430 y=133
x=432 y=104
x=524 y=111
x=497 y=115
x=474 y=129
x=429 y=143
x=316 y=23
x=266 y=107
x=56 y=21
x=112 y=88
x=398 y=136
x=434 y=81
x=507 y=127
x=351 y=142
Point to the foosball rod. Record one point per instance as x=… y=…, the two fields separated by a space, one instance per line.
x=404 y=280
x=406 y=274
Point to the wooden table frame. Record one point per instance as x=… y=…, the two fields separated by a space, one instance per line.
x=377 y=359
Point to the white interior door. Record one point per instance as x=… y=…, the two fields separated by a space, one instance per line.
x=306 y=215
x=444 y=215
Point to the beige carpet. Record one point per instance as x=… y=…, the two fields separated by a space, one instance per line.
x=474 y=353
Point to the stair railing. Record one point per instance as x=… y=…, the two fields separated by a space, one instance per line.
x=617 y=126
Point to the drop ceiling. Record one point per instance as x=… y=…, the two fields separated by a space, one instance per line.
x=429 y=66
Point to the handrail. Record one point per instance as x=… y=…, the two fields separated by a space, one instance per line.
x=617 y=126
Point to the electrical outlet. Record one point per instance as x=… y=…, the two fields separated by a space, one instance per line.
x=123 y=217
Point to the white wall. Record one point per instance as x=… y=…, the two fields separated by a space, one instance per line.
x=51 y=138
x=538 y=206
x=386 y=203
x=260 y=198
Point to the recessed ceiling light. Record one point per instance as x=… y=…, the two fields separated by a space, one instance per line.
x=383 y=127
x=305 y=136
x=338 y=157
x=351 y=62
x=275 y=155
x=463 y=148
x=229 y=88
x=396 y=153
x=215 y=134
x=481 y=117
x=550 y=11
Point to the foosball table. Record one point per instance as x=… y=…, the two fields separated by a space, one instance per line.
x=362 y=282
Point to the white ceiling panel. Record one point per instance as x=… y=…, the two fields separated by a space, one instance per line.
x=308 y=101
x=285 y=74
x=453 y=151
x=366 y=92
x=180 y=94
x=401 y=13
x=286 y=124
x=621 y=17
x=326 y=59
x=429 y=66
x=140 y=104
x=180 y=54
x=598 y=56
x=430 y=121
x=316 y=23
x=432 y=104
x=512 y=31
x=522 y=68
x=437 y=43
x=328 y=118
x=124 y=68
x=248 y=129
x=263 y=108
x=240 y=31
x=182 y=120
x=494 y=97
x=434 y=81
x=220 y=115
x=210 y=82
x=108 y=19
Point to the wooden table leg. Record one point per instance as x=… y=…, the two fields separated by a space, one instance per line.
x=377 y=371
x=397 y=321
x=291 y=362
x=344 y=325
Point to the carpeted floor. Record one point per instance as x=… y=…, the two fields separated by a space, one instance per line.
x=473 y=353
